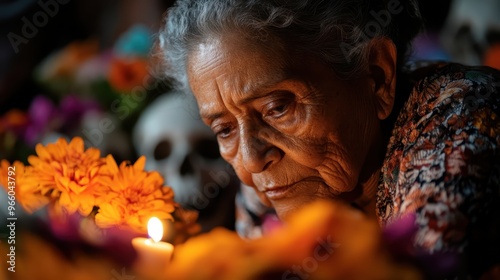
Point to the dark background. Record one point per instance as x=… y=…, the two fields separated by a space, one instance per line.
x=106 y=21
x=78 y=19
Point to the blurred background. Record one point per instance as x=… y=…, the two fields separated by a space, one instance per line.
x=81 y=68
x=65 y=65
x=62 y=59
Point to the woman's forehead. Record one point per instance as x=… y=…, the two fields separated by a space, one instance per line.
x=235 y=65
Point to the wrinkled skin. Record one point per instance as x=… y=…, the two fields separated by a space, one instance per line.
x=288 y=125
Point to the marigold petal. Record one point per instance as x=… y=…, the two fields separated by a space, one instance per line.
x=140 y=163
x=61 y=141
x=168 y=192
x=93 y=153
x=74 y=187
x=42 y=152
x=111 y=164
x=77 y=144
x=84 y=181
x=33 y=202
x=34 y=160
x=4 y=165
x=108 y=215
x=66 y=203
x=87 y=203
x=63 y=183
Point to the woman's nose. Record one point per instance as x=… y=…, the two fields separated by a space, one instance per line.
x=257 y=153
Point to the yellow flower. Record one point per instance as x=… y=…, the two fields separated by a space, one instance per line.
x=69 y=173
x=135 y=196
x=25 y=194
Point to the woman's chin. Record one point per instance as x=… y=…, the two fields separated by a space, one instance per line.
x=285 y=207
x=285 y=202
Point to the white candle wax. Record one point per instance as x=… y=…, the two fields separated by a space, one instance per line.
x=153 y=254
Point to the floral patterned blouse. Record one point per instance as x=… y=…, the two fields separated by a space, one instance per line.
x=442 y=163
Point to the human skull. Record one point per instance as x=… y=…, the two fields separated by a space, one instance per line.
x=184 y=150
x=471 y=27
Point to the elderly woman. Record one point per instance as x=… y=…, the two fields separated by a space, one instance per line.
x=312 y=100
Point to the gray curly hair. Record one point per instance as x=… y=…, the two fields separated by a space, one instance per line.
x=336 y=31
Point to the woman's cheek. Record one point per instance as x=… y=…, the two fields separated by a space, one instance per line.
x=228 y=147
x=337 y=168
x=243 y=175
x=230 y=154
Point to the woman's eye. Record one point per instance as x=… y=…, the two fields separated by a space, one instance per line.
x=276 y=110
x=223 y=132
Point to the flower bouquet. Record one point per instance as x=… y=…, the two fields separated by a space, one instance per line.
x=80 y=201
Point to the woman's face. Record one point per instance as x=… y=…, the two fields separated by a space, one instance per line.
x=293 y=131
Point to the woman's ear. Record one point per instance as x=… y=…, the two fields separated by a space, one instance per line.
x=382 y=72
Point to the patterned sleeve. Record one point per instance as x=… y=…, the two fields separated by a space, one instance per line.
x=443 y=164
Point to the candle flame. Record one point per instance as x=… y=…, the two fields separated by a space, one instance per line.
x=155 y=229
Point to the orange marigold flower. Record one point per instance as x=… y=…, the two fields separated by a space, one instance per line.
x=332 y=236
x=64 y=63
x=13 y=119
x=25 y=194
x=125 y=74
x=185 y=225
x=68 y=172
x=74 y=54
x=135 y=196
x=492 y=56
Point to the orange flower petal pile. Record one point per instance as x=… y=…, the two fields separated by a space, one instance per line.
x=25 y=193
x=69 y=179
x=68 y=172
x=324 y=240
x=135 y=195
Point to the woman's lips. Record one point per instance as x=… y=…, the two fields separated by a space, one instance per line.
x=304 y=187
x=275 y=193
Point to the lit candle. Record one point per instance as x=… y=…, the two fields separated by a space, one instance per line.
x=153 y=254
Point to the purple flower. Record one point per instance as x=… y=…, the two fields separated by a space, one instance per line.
x=399 y=237
x=77 y=231
x=400 y=234
x=73 y=108
x=44 y=116
x=41 y=114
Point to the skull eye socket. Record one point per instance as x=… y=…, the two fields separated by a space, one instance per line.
x=162 y=150
x=207 y=148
